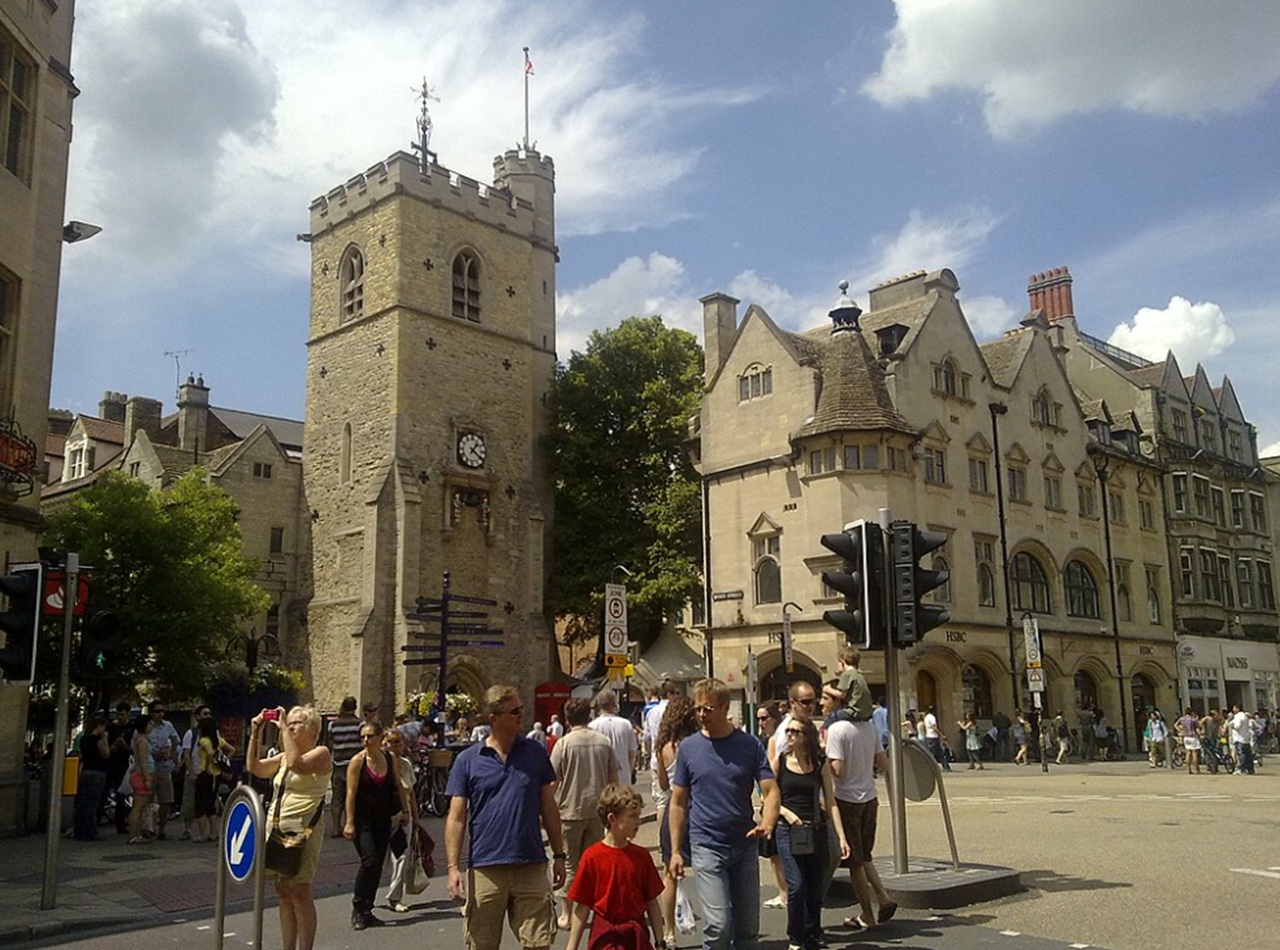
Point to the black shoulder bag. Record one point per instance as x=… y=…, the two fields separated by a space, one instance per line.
x=285 y=848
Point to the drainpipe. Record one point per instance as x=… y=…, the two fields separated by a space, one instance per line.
x=999 y=409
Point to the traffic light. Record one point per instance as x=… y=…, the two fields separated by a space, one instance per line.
x=23 y=586
x=911 y=582
x=100 y=644
x=861 y=545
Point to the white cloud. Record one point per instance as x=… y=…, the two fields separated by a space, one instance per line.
x=1033 y=63
x=989 y=316
x=206 y=127
x=638 y=287
x=928 y=243
x=1270 y=451
x=1194 y=332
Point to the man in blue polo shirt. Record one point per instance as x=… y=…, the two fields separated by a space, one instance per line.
x=500 y=790
x=716 y=771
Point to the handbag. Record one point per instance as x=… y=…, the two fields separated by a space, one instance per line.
x=416 y=878
x=803 y=839
x=425 y=847
x=285 y=848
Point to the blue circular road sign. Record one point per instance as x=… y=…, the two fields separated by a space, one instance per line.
x=240 y=843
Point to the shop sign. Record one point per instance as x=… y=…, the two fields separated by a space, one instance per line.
x=18 y=457
x=1237 y=662
x=956 y=636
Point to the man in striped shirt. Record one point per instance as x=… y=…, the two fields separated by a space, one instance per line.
x=344 y=743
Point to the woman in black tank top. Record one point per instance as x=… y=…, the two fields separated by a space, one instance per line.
x=374 y=794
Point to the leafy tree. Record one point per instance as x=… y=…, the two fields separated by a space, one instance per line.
x=172 y=565
x=626 y=492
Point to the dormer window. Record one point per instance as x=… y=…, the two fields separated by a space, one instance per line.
x=756 y=382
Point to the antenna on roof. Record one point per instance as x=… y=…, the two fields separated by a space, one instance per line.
x=425 y=125
x=177 y=373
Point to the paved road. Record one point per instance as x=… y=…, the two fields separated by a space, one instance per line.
x=1105 y=851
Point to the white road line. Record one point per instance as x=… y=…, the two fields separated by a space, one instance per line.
x=1258 y=873
x=1079 y=946
x=1010 y=933
x=204 y=927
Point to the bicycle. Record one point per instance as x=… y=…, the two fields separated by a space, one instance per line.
x=432 y=782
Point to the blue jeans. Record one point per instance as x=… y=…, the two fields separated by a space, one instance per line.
x=805 y=874
x=1244 y=757
x=728 y=881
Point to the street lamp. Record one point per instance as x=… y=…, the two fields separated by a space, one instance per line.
x=1100 y=463
x=998 y=409
x=251 y=643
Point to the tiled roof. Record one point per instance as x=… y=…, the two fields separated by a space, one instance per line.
x=100 y=430
x=1005 y=355
x=853 y=395
x=1092 y=410
x=1148 y=375
x=288 y=432
x=177 y=462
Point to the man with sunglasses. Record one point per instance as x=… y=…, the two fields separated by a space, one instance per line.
x=716 y=772
x=502 y=791
x=165 y=747
x=802 y=699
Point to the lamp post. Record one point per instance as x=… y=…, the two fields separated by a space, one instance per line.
x=998 y=409
x=1100 y=463
x=268 y=644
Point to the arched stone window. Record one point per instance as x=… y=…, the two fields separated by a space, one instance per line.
x=1082 y=592
x=466 y=286
x=942 y=593
x=977 y=691
x=986 y=586
x=1030 y=585
x=351 y=280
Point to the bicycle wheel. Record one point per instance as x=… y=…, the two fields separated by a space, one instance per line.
x=440 y=800
x=426 y=800
x=1179 y=757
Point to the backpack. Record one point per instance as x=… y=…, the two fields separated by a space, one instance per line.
x=1063 y=731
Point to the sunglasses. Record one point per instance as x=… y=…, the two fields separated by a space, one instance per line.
x=794 y=732
x=805 y=702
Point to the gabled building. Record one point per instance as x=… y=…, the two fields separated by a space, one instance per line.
x=1216 y=513
x=900 y=408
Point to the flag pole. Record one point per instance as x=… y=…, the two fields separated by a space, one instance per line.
x=528 y=68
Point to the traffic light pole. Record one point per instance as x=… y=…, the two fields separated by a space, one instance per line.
x=897 y=797
x=53 y=829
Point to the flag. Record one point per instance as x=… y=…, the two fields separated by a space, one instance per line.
x=528 y=63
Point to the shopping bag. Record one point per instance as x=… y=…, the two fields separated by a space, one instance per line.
x=415 y=878
x=684 y=911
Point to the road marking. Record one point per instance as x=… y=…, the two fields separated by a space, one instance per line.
x=204 y=927
x=1271 y=874
x=1080 y=946
x=1010 y=933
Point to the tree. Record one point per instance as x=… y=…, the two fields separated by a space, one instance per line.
x=171 y=563
x=626 y=491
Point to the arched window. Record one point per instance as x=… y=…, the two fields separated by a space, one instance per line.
x=768 y=582
x=466 y=286
x=1042 y=408
x=1030 y=585
x=351 y=280
x=344 y=455
x=942 y=593
x=986 y=586
x=1082 y=592
x=1086 y=690
x=1124 y=603
x=944 y=377
x=977 y=691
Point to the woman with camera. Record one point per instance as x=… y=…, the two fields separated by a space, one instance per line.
x=300 y=777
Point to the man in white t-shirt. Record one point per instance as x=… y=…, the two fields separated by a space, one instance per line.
x=556 y=728
x=1242 y=739
x=620 y=733
x=854 y=750
x=933 y=738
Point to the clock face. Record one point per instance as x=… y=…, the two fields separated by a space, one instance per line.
x=471 y=450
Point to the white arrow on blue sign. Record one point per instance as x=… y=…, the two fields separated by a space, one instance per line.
x=239 y=847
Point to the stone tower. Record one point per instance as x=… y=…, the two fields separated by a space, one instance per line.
x=430 y=360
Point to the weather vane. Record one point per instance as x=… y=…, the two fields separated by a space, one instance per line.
x=423 y=145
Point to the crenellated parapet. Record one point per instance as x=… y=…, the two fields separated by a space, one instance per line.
x=403 y=174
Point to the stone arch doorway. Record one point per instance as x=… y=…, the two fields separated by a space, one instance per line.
x=977 y=692
x=1143 y=691
x=1086 y=690
x=926 y=690
x=775 y=683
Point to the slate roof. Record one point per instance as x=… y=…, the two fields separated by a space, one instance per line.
x=176 y=462
x=853 y=393
x=1005 y=355
x=100 y=430
x=288 y=432
x=1148 y=375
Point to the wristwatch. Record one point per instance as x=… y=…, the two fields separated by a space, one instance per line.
x=559 y=856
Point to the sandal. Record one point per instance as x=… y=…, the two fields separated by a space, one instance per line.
x=855 y=924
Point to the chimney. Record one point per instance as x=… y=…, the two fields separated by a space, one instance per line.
x=142 y=413
x=193 y=415
x=1051 y=292
x=719 y=324
x=111 y=407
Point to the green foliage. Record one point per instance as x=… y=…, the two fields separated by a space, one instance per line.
x=172 y=564
x=232 y=691
x=626 y=492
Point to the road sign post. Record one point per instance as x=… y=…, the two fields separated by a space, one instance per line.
x=616 y=654
x=244 y=846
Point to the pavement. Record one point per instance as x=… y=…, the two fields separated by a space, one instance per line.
x=110 y=886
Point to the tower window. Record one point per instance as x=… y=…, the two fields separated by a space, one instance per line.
x=466 y=287
x=351 y=279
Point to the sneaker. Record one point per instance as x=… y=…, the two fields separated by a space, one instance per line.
x=397 y=907
x=357 y=922
x=776 y=903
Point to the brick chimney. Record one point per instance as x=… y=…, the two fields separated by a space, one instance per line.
x=112 y=405
x=193 y=415
x=1051 y=292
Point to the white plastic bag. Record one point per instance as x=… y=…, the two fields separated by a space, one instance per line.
x=684 y=911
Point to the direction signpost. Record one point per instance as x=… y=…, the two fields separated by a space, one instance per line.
x=616 y=654
x=244 y=835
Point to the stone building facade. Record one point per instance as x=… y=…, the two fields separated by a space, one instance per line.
x=801 y=433
x=1218 y=499
x=36 y=95
x=430 y=360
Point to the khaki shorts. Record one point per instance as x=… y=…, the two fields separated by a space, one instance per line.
x=859 y=820
x=162 y=788
x=520 y=892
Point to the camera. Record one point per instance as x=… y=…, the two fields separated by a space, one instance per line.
x=270 y=715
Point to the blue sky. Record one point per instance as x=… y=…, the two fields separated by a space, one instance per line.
x=764 y=149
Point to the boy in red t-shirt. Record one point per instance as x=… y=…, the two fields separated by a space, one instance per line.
x=618 y=881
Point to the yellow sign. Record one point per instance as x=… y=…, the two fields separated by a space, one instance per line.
x=616 y=661
x=628 y=670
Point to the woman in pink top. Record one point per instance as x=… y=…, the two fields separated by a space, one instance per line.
x=1189 y=728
